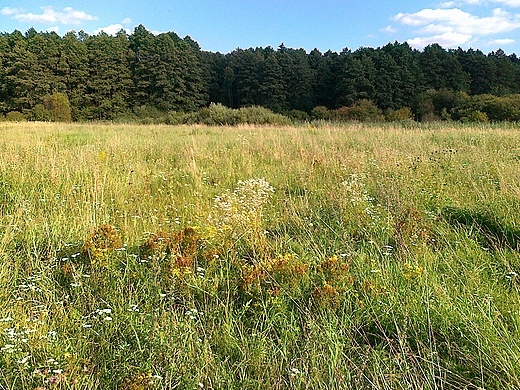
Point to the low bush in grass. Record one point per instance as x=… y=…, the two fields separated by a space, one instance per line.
x=402 y=114
x=219 y=115
x=362 y=111
x=321 y=112
x=15 y=116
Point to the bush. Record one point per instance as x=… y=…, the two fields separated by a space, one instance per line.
x=321 y=112
x=59 y=107
x=215 y=115
x=434 y=105
x=257 y=115
x=40 y=114
x=15 y=116
x=219 y=115
x=476 y=116
x=176 y=118
x=299 y=115
x=362 y=111
x=496 y=108
x=402 y=114
x=147 y=114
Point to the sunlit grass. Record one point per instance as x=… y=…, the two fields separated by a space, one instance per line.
x=140 y=257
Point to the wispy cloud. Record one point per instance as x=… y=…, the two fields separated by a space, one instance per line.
x=501 y=42
x=507 y=3
x=453 y=27
x=8 y=11
x=510 y=3
x=67 y=16
x=389 y=30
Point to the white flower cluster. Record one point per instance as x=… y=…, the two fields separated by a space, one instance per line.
x=355 y=188
x=241 y=210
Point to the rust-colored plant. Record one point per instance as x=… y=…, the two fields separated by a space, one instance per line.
x=101 y=242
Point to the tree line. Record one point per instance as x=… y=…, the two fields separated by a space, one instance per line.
x=99 y=77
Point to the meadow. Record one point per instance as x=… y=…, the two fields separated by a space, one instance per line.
x=356 y=256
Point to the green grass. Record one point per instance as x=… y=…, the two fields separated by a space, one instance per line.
x=386 y=257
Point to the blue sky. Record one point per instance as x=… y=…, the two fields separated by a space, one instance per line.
x=223 y=25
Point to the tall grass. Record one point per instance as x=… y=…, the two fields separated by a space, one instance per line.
x=141 y=257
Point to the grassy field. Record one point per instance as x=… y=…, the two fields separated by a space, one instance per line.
x=313 y=257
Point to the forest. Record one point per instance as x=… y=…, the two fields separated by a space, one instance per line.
x=82 y=77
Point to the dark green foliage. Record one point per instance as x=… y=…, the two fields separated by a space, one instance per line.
x=272 y=90
x=504 y=108
x=442 y=70
x=436 y=105
x=112 y=77
x=109 y=84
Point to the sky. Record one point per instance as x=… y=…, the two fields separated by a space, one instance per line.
x=224 y=25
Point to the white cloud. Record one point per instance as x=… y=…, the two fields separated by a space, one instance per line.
x=49 y=16
x=453 y=27
x=8 y=11
x=389 y=29
x=55 y=29
x=509 y=3
x=501 y=42
x=113 y=29
x=456 y=20
x=449 y=39
x=126 y=21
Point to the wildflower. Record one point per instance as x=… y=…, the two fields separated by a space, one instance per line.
x=412 y=271
x=241 y=210
x=8 y=348
x=24 y=360
x=101 y=242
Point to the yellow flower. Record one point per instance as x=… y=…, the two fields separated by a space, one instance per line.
x=412 y=271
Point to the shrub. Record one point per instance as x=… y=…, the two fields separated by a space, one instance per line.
x=40 y=114
x=147 y=114
x=496 y=108
x=217 y=114
x=15 y=116
x=402 y=114
x=476 y=116
x=362 y=111
x=299 y=115
x=176 y=118
x=257 y=115
x=100 y=243
x=321 y=112
x=59 y=107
